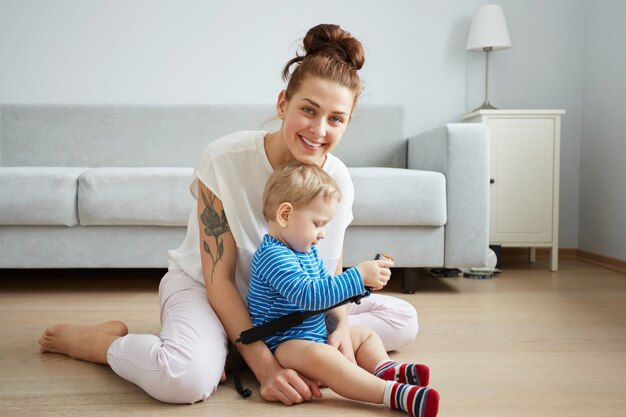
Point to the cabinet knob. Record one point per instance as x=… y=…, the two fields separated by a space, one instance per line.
x=491 y=180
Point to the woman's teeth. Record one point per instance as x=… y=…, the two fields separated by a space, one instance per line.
x=308 y=142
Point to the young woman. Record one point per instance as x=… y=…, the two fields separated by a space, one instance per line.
x=186 y=362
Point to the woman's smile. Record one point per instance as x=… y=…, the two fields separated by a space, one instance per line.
x=309 y=143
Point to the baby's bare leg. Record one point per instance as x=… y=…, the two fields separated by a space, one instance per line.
x=321 y=362
x=368 y=348
x=88 y=343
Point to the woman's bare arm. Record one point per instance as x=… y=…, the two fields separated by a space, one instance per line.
x=219 y=255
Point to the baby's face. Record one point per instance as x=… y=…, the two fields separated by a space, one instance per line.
x=305 y=228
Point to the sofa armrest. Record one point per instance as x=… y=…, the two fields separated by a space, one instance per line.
x=460 y=151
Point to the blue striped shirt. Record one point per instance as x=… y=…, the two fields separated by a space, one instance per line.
x=284 y=281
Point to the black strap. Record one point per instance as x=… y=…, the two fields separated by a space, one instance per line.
x=245 y=392
x=288 y=321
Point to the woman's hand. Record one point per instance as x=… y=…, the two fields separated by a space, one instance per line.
x=288 y=387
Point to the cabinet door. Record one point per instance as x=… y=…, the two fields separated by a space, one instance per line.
x=522 y=164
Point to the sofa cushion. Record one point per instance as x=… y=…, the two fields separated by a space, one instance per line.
x=135 y=196
x=398 y=197
x=39 y=195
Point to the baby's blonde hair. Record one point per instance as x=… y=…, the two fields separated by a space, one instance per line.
x=297 y=184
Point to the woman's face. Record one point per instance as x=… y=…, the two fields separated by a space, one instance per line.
x=314 y=119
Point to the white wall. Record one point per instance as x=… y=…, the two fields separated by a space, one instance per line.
x=200 y=51
x=603 y=170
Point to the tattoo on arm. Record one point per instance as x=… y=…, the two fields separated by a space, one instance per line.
x=215 y=225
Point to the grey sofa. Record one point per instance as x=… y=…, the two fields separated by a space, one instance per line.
x=106 y=186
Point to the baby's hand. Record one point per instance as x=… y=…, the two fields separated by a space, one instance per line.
x=375 y=274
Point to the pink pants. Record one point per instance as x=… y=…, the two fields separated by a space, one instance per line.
x=184 y=363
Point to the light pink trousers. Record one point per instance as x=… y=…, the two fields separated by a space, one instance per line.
x=184 y=363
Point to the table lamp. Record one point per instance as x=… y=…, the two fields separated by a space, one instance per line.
x=488 y=32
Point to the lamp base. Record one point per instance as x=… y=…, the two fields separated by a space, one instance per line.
x=485 y=106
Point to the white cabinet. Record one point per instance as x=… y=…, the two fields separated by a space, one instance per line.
x=524 y=147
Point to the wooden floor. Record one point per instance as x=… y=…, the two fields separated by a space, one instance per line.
x=526 y=343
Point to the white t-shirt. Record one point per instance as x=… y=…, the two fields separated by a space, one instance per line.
x=235 y=168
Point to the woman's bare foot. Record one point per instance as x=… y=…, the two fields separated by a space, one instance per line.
x=88 y=343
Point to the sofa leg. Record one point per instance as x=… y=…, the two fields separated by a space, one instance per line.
x=409 y=282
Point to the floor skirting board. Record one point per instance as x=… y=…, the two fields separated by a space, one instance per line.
x=569 y=254
x=614 y=264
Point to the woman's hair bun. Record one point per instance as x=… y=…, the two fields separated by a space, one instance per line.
x=332 y=41
x=330 y=53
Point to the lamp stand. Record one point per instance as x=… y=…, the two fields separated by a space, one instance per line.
x=486 y=105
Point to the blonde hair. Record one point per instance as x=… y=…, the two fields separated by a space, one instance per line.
x=299 y=185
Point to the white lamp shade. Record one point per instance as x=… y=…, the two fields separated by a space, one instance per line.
x=488 y=29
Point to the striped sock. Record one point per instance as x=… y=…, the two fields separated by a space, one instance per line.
x=406 y=373
x=412 y=399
